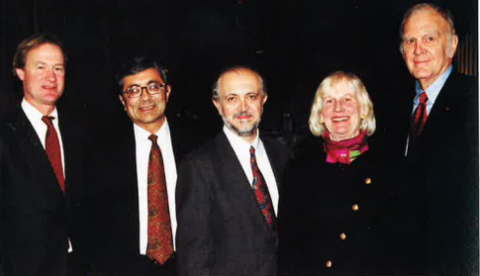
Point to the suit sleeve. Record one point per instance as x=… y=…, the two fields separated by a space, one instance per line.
x=193 y=238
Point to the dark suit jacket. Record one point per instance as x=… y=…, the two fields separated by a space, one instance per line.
x=316 y=207
x=36 y=218
x=439 y=187
x=112 y=211
x=221 y=230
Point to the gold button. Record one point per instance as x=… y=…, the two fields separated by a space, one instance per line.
x=343 y=236
x=368 y=181
x=355 y=207
x=329 y=264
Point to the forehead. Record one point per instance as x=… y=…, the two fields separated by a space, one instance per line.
x=143 y=77
x=425 y=20
x=239 y=82
x=46 y=53
x=340 y=89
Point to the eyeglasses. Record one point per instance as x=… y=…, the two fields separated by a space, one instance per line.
x=152 y=88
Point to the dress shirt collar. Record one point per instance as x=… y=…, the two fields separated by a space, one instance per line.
x=34 y=115
x=434 y=89
x=142 y=135
x=238 y=143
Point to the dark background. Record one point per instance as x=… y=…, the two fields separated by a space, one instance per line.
x=293 y=43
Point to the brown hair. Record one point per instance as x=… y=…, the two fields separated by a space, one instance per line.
x=32 y=42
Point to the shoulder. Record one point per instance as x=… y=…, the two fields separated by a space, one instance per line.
x=207 y=151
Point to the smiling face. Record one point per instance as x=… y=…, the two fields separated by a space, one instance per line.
x=241 y=102
x=428 y=46
x=341 y=111
x=43 y=77
x=147 y=111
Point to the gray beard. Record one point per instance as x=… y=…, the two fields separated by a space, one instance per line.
x=241 y=133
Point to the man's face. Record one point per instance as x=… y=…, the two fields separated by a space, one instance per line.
x=43 y=77
x=241 y=102
x=428 y=46
x=147 y=111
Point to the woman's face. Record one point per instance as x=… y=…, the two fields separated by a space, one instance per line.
x=341 y=112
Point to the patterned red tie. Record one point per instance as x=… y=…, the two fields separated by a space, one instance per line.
x=261 y=192
x=419 y=117
x=160 y=242
x=52 y=148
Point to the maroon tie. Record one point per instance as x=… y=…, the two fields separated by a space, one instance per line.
x=160 y=242
x=52 y=147
x=261 y=192
x=420 y=115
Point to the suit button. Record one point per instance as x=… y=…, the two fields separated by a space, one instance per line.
x=355 y=207
x=368 y=181
x=343 y=236
x=329 y=264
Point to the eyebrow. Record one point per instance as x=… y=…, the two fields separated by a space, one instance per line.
x=149 y=82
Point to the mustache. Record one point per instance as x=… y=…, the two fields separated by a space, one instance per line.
x=242 y=113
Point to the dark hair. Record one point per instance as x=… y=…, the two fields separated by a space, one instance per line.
x=136 y=65
x=32 y=42
x=237 y=69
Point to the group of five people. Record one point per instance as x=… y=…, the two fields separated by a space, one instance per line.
x=142 y=203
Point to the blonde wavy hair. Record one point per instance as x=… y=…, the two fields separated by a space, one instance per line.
x=368 y=124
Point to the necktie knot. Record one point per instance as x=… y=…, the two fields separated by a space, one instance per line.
x=252 y=151
x=423 y=98
x=153 y=138
x=48 y=120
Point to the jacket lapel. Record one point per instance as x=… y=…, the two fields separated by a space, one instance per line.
x=228 y=169
x=32 y=150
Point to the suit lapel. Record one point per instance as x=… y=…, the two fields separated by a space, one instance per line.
x=228 y=169
x=34 y=152
x=445 y=106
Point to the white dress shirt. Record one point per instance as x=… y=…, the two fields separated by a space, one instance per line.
x=242 y=151
x=143 y=147
x=35 y=118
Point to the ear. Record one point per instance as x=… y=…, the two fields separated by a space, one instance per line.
x=264 y=100
x=453 y=47
x=167 y=93
x=217 y=105
x=20 y=73
x=122 y=101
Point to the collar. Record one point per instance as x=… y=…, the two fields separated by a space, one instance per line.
x=434 y=89
x=162 y=133
x=238 y=142
x=33 y=114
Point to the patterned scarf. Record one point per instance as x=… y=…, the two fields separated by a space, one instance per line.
x=345 y=151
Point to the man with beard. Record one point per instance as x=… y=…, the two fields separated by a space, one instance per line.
x=134 y=176
x=227 y=191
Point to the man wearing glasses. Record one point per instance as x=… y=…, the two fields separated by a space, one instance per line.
x=135 y=173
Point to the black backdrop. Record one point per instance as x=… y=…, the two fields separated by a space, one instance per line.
x=293 y=43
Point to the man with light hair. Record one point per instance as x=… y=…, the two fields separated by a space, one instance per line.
x=440 y=147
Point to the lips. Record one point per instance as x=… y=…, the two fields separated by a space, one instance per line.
x=146 y=108
x=340 y=119
x=49 y=87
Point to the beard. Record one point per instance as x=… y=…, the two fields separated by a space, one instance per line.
x=244 y=132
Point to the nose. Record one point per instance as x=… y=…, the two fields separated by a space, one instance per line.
x=243 y=105
x=338 y=106
x=144 y=95
x=418 y=48
x=51 y=75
